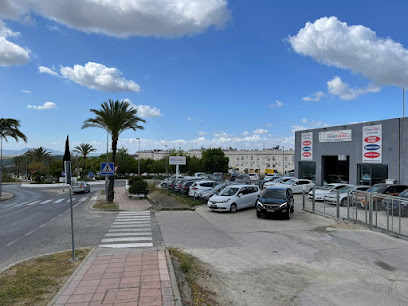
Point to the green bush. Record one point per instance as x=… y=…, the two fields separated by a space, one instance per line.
x=138 y=187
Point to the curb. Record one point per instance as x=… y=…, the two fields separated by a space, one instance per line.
x=7 y=197
x=170 y=208
x=69 y=280
x=173 y=279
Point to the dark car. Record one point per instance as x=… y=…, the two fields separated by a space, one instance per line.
x=185 y=187
x=233 y=176
x=275 y=200
x=206 y=195
x=171 y=184
x=380 y=189
x=392 y=205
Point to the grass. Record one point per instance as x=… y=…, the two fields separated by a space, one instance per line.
x=105 y=205
x=190 y=201
x=36 y=281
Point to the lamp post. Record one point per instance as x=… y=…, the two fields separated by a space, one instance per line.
x=138 y=158
x=283 y=159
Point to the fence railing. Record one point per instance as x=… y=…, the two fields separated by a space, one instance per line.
x=389 y=213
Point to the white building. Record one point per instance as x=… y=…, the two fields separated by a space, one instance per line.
x=244 y=160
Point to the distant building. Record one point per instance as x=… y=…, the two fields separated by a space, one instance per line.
x=276 y=160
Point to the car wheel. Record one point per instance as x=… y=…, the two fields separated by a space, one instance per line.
x=288 y=214
x=233 y=208
x=258 y=214
x=292 y=209
x=343 y=202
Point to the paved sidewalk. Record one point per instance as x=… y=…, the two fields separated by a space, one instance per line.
x=121 y=197
x=120 y=277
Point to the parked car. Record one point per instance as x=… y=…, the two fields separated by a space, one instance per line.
x=199 y=174
x=272 y=174
x=253 y=177
x=185 y=187
x=243 y=179
x=268 y=179
x=219 y=176
x=275 y=200
x=200 y=186
x=207 y=194
x=279 y=180
x=344 y=192
x=321 y=192
x=234 y=197
x=297 y=185
x=233 y=176
x=290 y=174
x=392 y=205
x=81 y=186
x=385 y=189
x=336 y=178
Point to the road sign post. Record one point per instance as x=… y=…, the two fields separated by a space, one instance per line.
x=107 y=169
x=177 y=160
x=67 y=166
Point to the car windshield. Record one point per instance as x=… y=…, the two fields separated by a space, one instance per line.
x=346 y=188
x=327 y=187
x=241 y=177
x=376 y=189
x=289 y=182
x=229 y=191
x=404 y=194
x=274 y=194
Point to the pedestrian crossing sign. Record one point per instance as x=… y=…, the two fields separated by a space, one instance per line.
x=107 y=168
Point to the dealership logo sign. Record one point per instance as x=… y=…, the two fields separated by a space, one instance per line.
x=372 y=144
x=307 y=143
x=307 y=149
x=335 y=136
x=307 y=146
x=372 y=154
x=307 y=154
x=371 y=147
x=372 y=139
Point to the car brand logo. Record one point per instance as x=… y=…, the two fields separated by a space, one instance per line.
x=372 y=139
x=307 y=154
x=372 y=154
x=307 y=143
x=306 y=149
x=371 y=147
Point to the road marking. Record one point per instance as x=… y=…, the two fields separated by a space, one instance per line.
x=127 y=230
x=20 y=204
x=127 y=245
x=131 y=223
x=141 y=213
x=129 y=234
x=83 y=199
x=94 y=198
x=130 y=239
x=30 y=232
x=45 y=202
x=42 y=225
x=133 y=218
x=129 y=226
x=14 y=241
x=35 y=202
x=60 y=215
x=58 y=201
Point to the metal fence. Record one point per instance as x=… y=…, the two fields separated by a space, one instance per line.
x=389 y=213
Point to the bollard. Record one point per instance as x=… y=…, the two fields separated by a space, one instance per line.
x=388 y=214
x=338 y=204
x=313 y=199
x=399 y=217
x=348 y=204
x=370 y=209
x=304 y=194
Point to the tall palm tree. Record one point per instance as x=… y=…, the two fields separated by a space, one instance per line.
x=84 y=149
x=8 y=128
x=114 y=117
x=39 y=155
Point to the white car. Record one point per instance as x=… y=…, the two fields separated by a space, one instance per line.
x=234 y=197
x=253 y=177
x=297 y=185
x=321 y=192
x=331 y=197
x=275 y=182
x=200 y=186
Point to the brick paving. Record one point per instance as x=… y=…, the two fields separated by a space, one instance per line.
x=127 y=277
x=121 y=197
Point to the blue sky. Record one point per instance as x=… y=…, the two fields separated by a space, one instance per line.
x=244 y=74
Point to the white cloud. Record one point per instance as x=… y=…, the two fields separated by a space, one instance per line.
x=145 y=111
x=46 y=105
x=276 y=104
x=26 y=91
x=99 y=77
x=260 y=132
x=122 y=18
x=189 y=118
x=315 y=97
x=43 y=69
x=358 y=48
x=337 y=87
x=307 y=125
x=202 y=133
x=10 y=53
x=246 y=133
x=269 y=124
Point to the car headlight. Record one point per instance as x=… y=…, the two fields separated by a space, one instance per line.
x=224 y=201
x=283 y=205
x=260 y=204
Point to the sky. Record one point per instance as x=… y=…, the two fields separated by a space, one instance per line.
x=202 y=73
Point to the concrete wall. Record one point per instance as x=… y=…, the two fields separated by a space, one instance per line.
x=354 y=148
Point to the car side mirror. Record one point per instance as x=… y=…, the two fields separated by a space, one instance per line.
x=240 y=195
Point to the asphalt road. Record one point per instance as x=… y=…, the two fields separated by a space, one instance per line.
x=307 y=260
x=37 y=221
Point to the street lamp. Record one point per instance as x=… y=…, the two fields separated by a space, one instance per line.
x=138 y=158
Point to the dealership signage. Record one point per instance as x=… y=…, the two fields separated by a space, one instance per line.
x=307 y=146
x=177 y=160
x=335 y=136
x=372 y=144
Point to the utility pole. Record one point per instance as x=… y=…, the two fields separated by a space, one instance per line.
x=138 y=158
x=283 y=159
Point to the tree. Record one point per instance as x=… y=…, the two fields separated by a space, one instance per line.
x=214 y=160
x=114 y=117
x=8 y=128
x=39 y=155
x=84 y=149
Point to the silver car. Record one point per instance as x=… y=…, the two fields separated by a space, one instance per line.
x=81 y=186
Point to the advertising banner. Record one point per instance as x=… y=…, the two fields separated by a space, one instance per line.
x=372 y=144
x=335 y=136
x=177 y=160
x=307 y=146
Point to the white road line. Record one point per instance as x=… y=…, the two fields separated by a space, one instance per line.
x=58 y=201
x=142 y=213
x=42 y=225
x=83 y=199
x=128 y=230
x=35 y=202
x=94 y=198
x=127 y=245
x=130 y=226
x=45 y=202
x=21 y=204
x=132 y=218
x=128 y=234
x=60 y=215
x=30 y=232
x=14 y=241
x=131 y=223
x=126 y=239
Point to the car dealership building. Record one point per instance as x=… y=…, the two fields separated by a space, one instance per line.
x=360 y=154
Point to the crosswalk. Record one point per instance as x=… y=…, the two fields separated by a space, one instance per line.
x=43 y=202
x=129 y=230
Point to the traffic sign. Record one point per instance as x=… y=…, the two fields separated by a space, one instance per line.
x=107 y=168
x=90 y=174
x=63 y=173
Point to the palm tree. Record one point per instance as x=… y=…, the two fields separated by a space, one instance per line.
x=8 y=128
x=38 y=155
x=84 y=149
x=114 y=117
